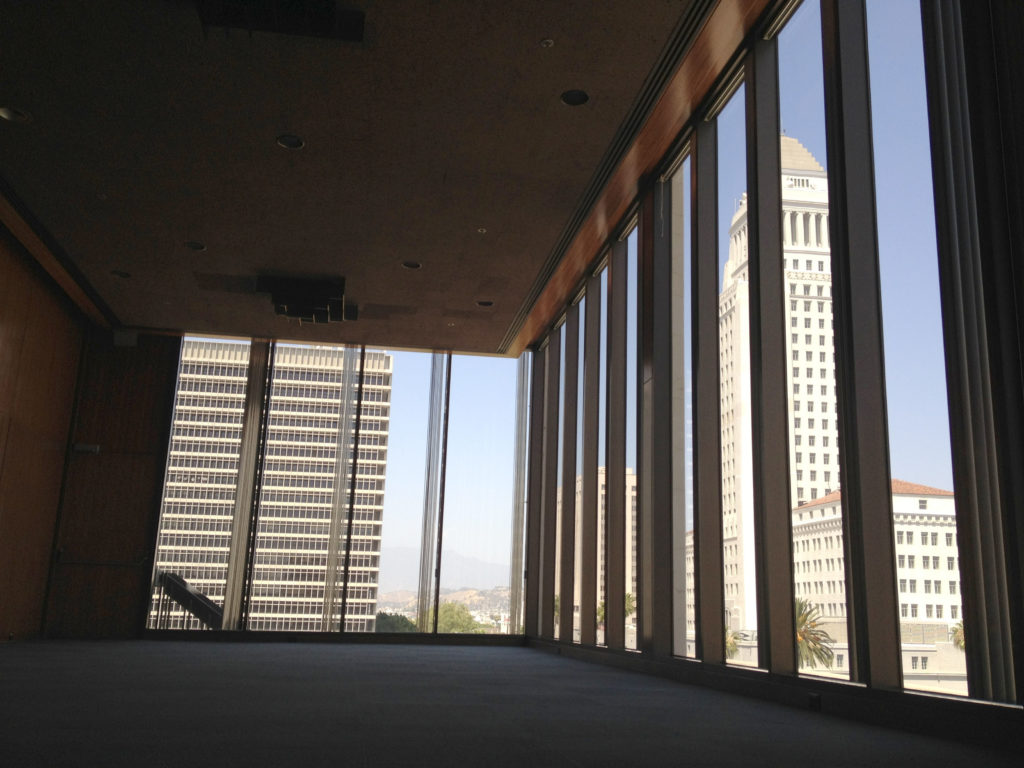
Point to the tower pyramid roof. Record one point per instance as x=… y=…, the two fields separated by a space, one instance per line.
x=796 y=157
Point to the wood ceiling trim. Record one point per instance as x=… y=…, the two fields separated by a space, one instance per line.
x=37 y=248
x=712 y=50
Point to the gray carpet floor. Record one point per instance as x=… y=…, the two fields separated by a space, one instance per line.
x=224 y=704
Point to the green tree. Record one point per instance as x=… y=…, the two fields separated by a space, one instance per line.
x=813 y=644
x=394 y=622
x=956 y=633
x=455 y=618
x=630 y=608
x=731 y=644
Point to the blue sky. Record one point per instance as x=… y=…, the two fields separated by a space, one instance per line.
x=912 y=323
x=481 y=435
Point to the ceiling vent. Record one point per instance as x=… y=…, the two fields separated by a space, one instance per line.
x=308 y=300
x=303 y=18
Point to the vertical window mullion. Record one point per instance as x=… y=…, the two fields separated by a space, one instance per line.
x=252 y=426
x=443 y=477
x=615 y=472
x=773 y=518
x=589 y=495
x=570 y=410
x=356 y=429
x=523 y=449
x=657 y=421
x=339 y=501
x=707 y=479
x=428 y=534
x=549 y=517
x=860 y=377
x=535 y=497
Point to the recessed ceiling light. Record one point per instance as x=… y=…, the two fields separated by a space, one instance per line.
x=290 y=141
x=411 y=264
x=120 y=273
x=547 y=42
x=15 y=115
x=195 y=245
x=451 y=325
x=485 y=303
x=575 y=98
x=482 y=230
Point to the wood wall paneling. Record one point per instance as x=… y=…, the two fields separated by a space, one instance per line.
x=40 y=343
x=103 y=562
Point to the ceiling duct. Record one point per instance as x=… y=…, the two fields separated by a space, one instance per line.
x=308 y=300
x=304 y=18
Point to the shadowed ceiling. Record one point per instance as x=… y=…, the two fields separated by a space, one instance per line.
x=439 y=139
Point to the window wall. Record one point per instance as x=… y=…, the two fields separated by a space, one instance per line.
x=814 y=525
x=739 y=551
x=819 y=578
x=307 y=487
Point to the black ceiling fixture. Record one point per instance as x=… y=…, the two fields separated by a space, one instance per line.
x=304 y=18
x=575 y=98
x=308 y=300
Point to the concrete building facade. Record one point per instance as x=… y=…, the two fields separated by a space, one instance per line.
x=302 y=527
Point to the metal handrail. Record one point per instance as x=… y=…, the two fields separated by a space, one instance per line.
x=190 y=599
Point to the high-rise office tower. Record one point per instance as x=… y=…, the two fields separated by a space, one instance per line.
x=813 y=458
x=309 y=519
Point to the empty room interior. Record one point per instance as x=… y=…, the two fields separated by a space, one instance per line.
x=451 y=383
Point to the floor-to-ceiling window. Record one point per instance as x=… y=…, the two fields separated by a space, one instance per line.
x=338 y=520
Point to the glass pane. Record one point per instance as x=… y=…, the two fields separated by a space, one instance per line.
x=478 y=496
x=684 y=631
x=202 y=472
x=734 y=384
x=927 y=564
x=818 y=554
x=405 y=454
x=306 y=507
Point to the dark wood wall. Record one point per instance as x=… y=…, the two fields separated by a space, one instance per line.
x=40 y=344
x=77 y=527
x=108 y=517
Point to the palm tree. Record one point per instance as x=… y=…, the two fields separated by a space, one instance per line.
x=813 y=644
x=957 y=635
x=731 y=645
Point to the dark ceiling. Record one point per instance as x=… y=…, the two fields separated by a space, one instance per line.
x=439 y=139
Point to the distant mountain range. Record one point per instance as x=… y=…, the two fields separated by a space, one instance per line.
x=399 y=570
